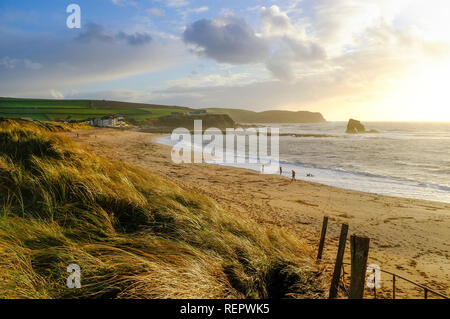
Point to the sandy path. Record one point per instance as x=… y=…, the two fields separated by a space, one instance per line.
x=409 y=237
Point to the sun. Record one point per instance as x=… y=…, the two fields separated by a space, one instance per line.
x=424 y=91
x=433 y=93
x=424 y=96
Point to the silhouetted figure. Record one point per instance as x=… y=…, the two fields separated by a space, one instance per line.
x=293 y=175
x=262 y=169
x=281 y=170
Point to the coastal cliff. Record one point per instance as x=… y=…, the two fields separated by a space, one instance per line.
x=167 y=124
x=245 y=116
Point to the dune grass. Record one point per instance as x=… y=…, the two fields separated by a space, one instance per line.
x=133 y=234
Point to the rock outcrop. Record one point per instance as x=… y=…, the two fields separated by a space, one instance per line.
x=355 y=127
x=166 y=124
x=274 y=116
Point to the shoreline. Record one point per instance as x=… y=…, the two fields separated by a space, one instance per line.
x=408 y=236
x=346 y=180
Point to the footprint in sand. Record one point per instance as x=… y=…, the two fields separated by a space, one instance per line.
x=345 y=215
x=387 y=220
x=305 y=203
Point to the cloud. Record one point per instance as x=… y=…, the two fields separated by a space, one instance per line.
x=177 y=3
x=56 y=94
x=226 y=39
x=136 y=38
x=95 y=32
x=199 y=10
x=339 y=24
x=32 y=65
x=288 y=50
x=159 y=13
x=11 y=63
x=294 y=54
x=196 y=80
x=294 y=46
x=275 y=23
x=318 y=91
x=114 y=95
x=8 y=63
x=123 y=3
x=280 y=65
x=229 y=39
x=39 y=62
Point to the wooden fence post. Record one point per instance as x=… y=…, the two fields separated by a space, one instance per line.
x=322 y=237
x=359 y=247
x=338 y=265
x=393 y=286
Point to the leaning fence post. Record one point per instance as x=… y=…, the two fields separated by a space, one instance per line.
x=322 y=237
x=337 y=266
x=359 y=247
x=374 y=283
x=393 y=286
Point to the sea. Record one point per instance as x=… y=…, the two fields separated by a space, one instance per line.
x=410 y=160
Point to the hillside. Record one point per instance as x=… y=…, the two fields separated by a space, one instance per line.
x=245 y=116
x=134 y=235
x=166 y=124
x=51 y=110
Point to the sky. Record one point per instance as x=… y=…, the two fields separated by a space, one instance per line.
x=374 y=60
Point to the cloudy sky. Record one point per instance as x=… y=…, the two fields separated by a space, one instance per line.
x=371 y=59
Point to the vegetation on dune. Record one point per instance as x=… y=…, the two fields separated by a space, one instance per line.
x=133 y=234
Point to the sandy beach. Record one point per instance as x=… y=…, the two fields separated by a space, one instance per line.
x=409 y=237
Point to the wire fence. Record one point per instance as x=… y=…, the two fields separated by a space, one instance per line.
x=426 y=290
x=345 y=276
x=340 y=280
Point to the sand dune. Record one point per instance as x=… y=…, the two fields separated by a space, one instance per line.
x=410 y=237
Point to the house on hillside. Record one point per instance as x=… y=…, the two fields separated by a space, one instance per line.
x=119 y=120
x=115 y=120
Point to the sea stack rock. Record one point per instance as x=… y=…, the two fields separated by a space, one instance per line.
x=355 y=127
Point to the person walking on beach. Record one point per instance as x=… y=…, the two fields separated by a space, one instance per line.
x=293 y=176
x=262 y=169
x=281 y=170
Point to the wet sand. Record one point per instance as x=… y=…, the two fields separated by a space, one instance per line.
x=408 y=236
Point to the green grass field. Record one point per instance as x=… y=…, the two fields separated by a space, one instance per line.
x=51 y=110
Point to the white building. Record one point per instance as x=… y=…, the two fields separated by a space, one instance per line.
x=115 y=120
